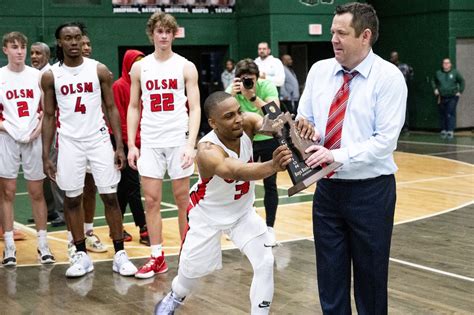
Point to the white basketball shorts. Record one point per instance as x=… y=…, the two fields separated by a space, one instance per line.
x=201 y=252
x=155 y=162
x=13 y=153
x=74 y=156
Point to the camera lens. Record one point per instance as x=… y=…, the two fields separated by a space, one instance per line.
x=247 y=83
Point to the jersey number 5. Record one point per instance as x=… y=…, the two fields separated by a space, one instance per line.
x=23 y=109
x=81 y=108
x=162 y=102
x=242 y=189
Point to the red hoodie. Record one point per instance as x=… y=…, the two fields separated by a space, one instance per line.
x=121 y=89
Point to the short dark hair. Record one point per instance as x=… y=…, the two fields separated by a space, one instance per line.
x=57 y=34
x=213 y=100
x=14 y=36
x=363 y=17
x=246 y=66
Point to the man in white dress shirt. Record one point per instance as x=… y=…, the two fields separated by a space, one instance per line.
x=353 y=210
x=270 y=67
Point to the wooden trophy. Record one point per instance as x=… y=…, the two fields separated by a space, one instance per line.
x=282 y=126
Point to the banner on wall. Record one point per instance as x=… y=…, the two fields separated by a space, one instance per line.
x=173 y=6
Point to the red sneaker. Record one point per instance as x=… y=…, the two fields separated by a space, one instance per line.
x=153 y=266
x=126 y=236
x=144 y=237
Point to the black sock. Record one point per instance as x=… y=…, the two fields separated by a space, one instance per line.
x=118 y=245
x=81 y=246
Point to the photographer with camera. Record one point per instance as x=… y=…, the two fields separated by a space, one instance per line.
x=252 y=94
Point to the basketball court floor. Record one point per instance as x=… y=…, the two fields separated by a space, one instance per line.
x=431 y=264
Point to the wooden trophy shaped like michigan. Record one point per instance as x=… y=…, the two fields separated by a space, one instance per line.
x=282 y=126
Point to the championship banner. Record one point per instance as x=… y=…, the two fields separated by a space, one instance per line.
x=173 y=6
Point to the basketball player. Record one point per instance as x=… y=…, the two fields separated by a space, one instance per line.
x=93 y=242
x=76 y=86
x=168 y=87
x=20 y=127
x=222 y=202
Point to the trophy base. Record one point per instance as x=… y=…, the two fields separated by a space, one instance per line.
x=313 y=178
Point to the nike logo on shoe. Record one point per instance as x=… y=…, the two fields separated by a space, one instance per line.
x=264 y=304
x=270 y=245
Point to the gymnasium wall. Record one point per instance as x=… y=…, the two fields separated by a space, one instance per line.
x=423 y=32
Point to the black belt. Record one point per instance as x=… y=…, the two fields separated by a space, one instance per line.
x=342 y=180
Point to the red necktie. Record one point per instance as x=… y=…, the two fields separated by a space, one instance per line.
x=337 y=112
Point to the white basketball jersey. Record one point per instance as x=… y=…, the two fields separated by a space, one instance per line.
x=164 y=120
x=20 y=97
x=224 y=201
x=79 y=100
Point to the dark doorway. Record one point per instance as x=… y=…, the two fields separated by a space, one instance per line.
x=304 y=55
x=209 y=61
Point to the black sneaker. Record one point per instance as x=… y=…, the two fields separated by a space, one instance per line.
x=9 y=256
x=59 y=221
x=144 y=237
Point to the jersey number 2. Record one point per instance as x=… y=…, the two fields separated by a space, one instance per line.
x=242 y=189
x=162 y=102
x=23 y=109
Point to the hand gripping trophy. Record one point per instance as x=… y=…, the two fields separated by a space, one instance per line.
x=282 y=126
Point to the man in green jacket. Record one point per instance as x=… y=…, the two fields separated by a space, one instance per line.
x=448 y=85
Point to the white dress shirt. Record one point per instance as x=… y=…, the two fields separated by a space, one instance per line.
x=273 y=69
x=374 y=116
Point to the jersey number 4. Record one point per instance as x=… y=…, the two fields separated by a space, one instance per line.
x=162 y=102
x=241 y=189
x=81 y=108
x=22 y=109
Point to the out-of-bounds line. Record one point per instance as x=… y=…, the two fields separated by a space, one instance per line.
x=450 y=152
x=437 y=144
x=435 y=214
x=403 y=262
x=31 y=230
x=437 y=157
x=429 y=179
x=63 y=231
x=165 y=180
x=441 y=272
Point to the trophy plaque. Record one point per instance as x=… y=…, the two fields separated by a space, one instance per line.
x=282 y=127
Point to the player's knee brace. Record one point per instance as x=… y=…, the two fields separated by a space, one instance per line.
x=266 y=262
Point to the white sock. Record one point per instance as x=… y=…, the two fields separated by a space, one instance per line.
x=42 y=241
x=88 y=227
x=70 y=239
x=8 y=238
x=156 y=250
x=182 y=286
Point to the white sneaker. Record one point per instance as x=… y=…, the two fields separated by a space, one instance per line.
x=271 y=238
x=80 y=265
x=45 y=256
x=122 y=284
x=71 y=251
x=9 y=256
x=81 y=286
x=93 y=243
x=123 y=265
x=168 y=305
